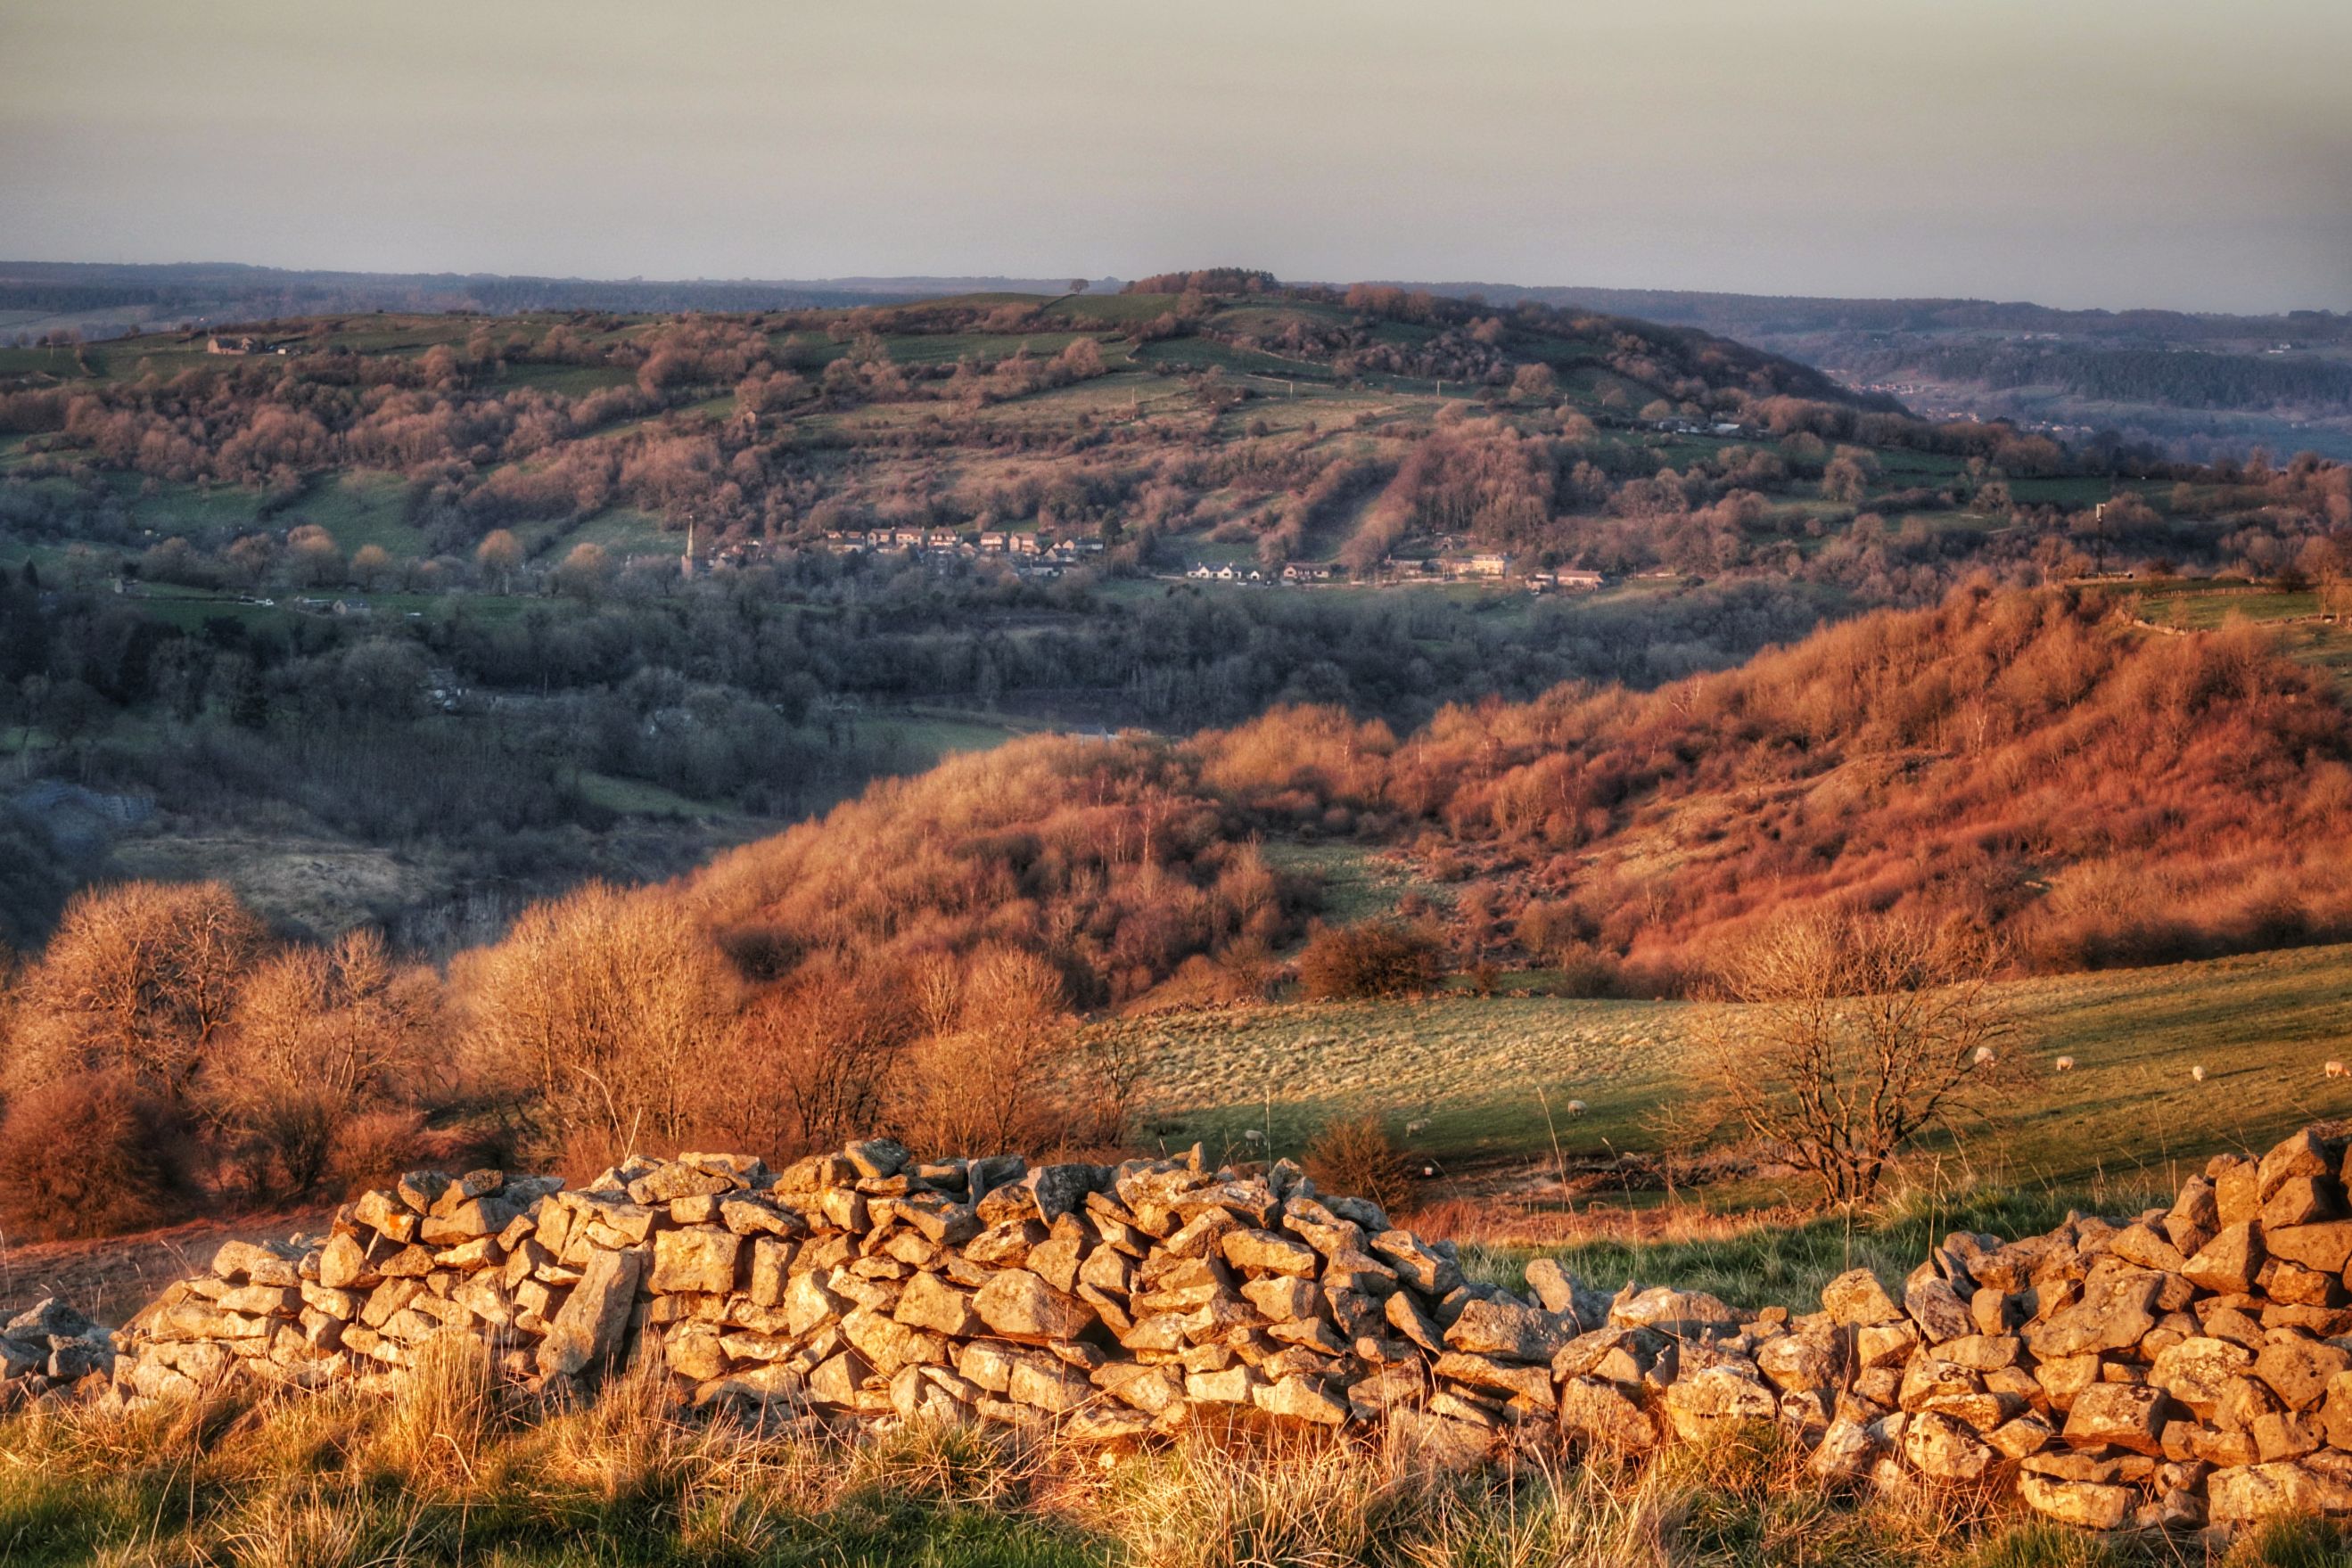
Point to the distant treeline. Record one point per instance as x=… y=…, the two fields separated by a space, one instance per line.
x=2176 y=379
x=229 y=292
x=1779 y=316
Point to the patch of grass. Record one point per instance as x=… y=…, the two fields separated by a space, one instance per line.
x=636 y=798
x=917 y=739
x=1357 y=883
x=1779 y=1261
x=362 y=508
x=174 y=508
x=339 y=1479
x=1200 y=353
x=569 y=380
x=2129 y=1116
x=945 y=347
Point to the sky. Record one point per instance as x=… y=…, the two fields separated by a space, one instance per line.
x=2076 y=152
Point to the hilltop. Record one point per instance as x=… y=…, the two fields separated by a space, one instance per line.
x=481 y=604
x=2201 y=384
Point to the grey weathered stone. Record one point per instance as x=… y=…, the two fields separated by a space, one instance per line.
x=698 y=1258
x=1433 y=1273
x=2118 y=1414
x=1299 y=1397
x=1020 y=1305
x=2244 y=1494
x=930 y=1303
x=1941 y=1447
x=1856 y=1297
x=2195 y=1371
x=2088 y=1504
x=1685 y=1314
x=1937 y=1308
x=1508 y=1329
x=587 y=1331
x=1729 y=1393
x=1268 y=1253
x=1061 y=1189
x=2116 y=1310
x=2299 y=1371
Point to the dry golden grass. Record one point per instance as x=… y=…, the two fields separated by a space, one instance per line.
x=451 y=1471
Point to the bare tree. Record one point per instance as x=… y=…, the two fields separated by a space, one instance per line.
x=997 y=1078
x=816 y=1062
x=317 y=1036
x=1853 y=1035
x=141 y=978
x=597 y=1008
x=499 y=555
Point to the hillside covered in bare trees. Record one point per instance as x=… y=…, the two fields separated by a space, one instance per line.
x=2036 y=771
x=471 y=607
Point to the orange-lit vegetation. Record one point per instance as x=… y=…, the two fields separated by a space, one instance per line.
x=2036 y=770
x=2030 y=763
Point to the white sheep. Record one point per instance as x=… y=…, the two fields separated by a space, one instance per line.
x=1575 y=1107
x=2064 y=1064
x=1415 y=1128
x=2198 y=1072
x=2336 y=1069
x=1984 y=1056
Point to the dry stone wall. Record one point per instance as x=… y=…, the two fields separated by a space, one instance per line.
x=2192 y=1366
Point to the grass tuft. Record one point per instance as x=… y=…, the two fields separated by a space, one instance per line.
x=342 y=1480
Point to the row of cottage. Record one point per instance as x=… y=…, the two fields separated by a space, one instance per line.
x=1436 y=568
x=992 y=541
x=1044 y=549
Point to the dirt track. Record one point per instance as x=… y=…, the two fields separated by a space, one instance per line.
x=113 y=1278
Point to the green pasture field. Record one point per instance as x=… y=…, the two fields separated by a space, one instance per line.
x=920 y=737
x=176 y=508
x=622 y=531
x=1481 y=1072
x=2294 y=619
x=360 y=508
x=1200 y=353
x=2086 y=490
x=1120 y=308
x=946 y=348
x=636 y=798
x=568 y=380
x=64 y=363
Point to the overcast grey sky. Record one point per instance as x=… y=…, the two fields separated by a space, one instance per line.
x=2075 y=152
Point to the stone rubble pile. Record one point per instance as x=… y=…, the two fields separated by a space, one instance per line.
x=51 y=1350
x=2192 y=1365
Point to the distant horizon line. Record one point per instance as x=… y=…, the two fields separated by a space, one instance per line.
x=914 y=284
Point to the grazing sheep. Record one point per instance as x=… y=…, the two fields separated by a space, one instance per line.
x=2064 y=1064
x=2198 y=1072
x=1252 y=1137
x=1984 y=1055
x=2336 y=1069
x=1416 y=1128
x=1575 y=1107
